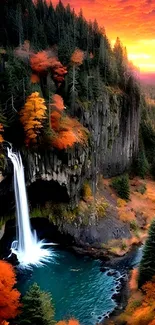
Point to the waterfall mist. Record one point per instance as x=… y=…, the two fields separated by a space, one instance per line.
x=28 y=249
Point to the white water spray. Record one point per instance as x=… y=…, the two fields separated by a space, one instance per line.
x=28 y=249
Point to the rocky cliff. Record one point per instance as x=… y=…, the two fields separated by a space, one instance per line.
x=113 y=122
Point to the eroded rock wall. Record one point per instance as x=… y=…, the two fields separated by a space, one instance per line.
x=113 y=122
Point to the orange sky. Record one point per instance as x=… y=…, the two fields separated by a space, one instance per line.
x=132 y=20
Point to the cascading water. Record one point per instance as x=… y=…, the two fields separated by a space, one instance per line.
x=28 y=249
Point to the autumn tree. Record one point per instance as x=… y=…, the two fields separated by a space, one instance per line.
x=45 y=60
x=32 y=117
x=9 y=297
x=37 y=308
x=147 y=264
x=67 y=131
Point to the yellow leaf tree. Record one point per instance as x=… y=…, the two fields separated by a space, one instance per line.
x=32 y=116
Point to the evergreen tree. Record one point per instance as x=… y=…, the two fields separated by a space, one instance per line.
x=142 y=164
x=122 y=187
x=37 y=308
x=147 y=265
x=121 y=60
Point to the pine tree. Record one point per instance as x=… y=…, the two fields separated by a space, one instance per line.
x=122 y=187
x=37 y=308
x=147 y=265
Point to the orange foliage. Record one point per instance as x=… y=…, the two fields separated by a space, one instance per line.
x=32 y=116
x=149 y=289
x=1 y=130
x=71 y=321
x=141 y=306
x=141 y=316
x=126 y=215
x=152 y=323
x=4 y=323
x=133 y=281
x=58 y=103
x=77 y=57
x=34 y=78
x=42 y=61
x=9 y=297
x=55 y=120
x=68 y=131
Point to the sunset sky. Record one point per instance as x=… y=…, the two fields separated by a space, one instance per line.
x=132 y=20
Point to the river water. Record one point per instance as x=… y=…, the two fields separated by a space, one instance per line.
x=78 y=286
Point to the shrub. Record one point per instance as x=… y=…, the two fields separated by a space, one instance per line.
x=122 y=187
x=86 y=191
x=133 y=225
x=124 y=245
x=101 y=208
x=141 y=189
x=121 y=203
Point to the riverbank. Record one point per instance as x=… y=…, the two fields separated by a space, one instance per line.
x=125 y=264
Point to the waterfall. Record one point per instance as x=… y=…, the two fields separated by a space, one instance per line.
x=27 y=247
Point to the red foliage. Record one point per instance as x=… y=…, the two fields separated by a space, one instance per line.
x=67 y=131
x=55 y=120
x=42 y=61
x=77 y=57
x=58 y=103
x=9 y=297
x=34 y=78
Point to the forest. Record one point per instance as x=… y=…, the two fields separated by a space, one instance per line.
x=51 y=61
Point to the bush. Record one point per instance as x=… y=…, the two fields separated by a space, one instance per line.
x=122 y=187
x=141 y=189
x=86 y=191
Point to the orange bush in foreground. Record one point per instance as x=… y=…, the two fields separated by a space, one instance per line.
x=9 y=297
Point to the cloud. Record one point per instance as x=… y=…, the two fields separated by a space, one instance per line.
x=131 y=20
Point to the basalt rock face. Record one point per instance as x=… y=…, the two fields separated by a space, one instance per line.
x=113 y=122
